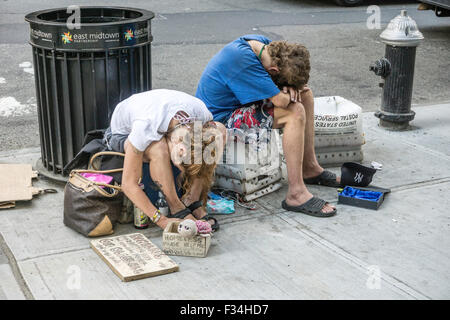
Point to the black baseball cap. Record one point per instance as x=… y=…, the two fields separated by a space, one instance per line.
x=355 y=174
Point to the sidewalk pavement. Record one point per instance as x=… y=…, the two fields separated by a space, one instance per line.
x=400 y=251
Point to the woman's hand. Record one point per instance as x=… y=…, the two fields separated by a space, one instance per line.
x=164 y=221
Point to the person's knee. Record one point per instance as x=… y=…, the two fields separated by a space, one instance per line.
x=308 y=93
x=307 y=98
x=297 y=112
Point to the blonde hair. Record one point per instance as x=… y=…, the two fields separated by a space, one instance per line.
x=292 y=59
x=193 y=168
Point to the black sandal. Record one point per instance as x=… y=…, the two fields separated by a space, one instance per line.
x=326 y=178
x=197 y=204
x=312 y=207
x=181 y=214
x=214 y=226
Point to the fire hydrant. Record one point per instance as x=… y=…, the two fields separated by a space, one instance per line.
x=401 y=37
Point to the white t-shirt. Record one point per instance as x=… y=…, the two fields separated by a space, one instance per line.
x=145 y=116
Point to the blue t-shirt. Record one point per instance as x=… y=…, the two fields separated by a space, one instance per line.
x=234 y=77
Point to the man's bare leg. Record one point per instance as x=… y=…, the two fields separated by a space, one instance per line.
x=293 y=120
x=161 y=173
x=311 y=167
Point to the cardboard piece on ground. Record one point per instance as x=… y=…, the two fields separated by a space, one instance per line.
x=7 y=204
x=133 y=256
x=15 y=182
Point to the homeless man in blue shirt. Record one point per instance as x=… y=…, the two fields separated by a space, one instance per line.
x=257 y=83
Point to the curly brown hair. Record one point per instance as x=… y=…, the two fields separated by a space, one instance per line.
x=292 y=59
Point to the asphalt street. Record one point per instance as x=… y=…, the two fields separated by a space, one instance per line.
x=188 y=33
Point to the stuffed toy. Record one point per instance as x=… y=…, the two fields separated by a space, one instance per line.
x=190 y=228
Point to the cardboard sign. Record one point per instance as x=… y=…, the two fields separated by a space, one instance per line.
x=133 y=257
x=7 y=204
x=15 y=182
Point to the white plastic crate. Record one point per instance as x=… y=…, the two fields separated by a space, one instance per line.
x=252 y=154
x=262 y=192
x=245 y=187
x=246 y=172
x=339 y=140
x=339 y=155
x=245 y=161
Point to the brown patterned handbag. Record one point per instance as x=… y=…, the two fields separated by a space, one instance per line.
x=92 y=208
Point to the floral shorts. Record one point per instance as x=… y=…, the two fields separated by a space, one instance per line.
x=249 y=123
x=256 y=115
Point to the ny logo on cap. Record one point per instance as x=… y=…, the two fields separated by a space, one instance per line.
x=358 y=177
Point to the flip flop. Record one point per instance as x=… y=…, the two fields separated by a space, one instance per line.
x=214 y=226
x=180 y=214
x=326 y=178
x=197 y=204
x=312 y=207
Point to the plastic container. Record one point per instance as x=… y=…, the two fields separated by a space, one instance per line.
x=363 y=203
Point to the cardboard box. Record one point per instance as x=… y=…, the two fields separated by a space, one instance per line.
x=177 y=245
x=16 y=184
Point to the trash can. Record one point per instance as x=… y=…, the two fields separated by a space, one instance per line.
x=82 y=73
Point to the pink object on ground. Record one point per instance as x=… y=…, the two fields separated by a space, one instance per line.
x=97 y=177
x=203 y=227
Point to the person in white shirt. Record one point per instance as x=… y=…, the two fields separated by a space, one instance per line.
x=163 y=126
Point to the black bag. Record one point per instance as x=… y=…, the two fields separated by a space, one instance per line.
x=93 y=146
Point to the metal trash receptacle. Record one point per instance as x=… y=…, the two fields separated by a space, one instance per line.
x=82 y=73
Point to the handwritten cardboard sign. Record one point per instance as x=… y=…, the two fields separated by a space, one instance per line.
x=133 y=257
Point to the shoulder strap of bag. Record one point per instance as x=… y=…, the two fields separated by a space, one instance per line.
x=96 y=170
x=105 y=153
